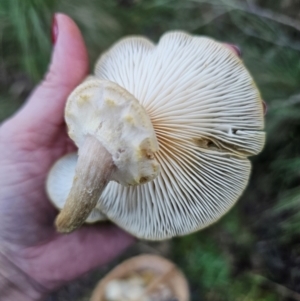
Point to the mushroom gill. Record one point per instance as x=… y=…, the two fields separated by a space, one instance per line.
x=207 y=115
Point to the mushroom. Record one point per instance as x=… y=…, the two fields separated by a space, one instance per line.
x=164 y=134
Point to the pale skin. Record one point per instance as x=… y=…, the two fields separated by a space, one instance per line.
x=30 y=142
x=34 y=258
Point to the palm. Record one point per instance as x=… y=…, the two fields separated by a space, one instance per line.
x=29 y=156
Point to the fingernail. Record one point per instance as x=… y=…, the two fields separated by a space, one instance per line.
x=237 y=49
x=265 y=108
x=54 y=30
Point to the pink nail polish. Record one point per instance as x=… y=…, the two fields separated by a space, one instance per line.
x=237 y=49
x=54 y=30
x=265 y=107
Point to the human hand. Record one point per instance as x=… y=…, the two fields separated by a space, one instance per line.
x=34 y=258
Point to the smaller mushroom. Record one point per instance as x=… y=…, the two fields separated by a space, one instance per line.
x=143 y=278
x=59 y=184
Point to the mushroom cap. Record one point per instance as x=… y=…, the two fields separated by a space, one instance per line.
x=164 y=272
x=208 y=118
x=59 y=183
x=114 y=117
x=207 y=115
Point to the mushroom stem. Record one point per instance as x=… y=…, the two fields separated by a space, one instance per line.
x=93 y=172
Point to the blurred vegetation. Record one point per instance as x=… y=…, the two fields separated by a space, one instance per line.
x=254 y=252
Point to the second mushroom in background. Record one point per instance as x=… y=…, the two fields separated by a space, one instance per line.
x=164 y=133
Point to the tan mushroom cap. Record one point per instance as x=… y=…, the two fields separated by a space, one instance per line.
x=113 y=116
x=207 y=115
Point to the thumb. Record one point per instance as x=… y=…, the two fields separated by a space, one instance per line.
x=69 y=66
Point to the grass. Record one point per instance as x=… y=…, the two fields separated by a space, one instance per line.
x=252 y=253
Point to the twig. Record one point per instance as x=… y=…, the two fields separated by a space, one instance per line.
x=292 y=100
x=282 y=290
x=258 y=11
x=157 y=281
x=294 y=46
x=269 y=14
x=209 y=20
x=253 y=9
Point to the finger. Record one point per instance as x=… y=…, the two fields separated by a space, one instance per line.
x=69 y=66
x=70 y=256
